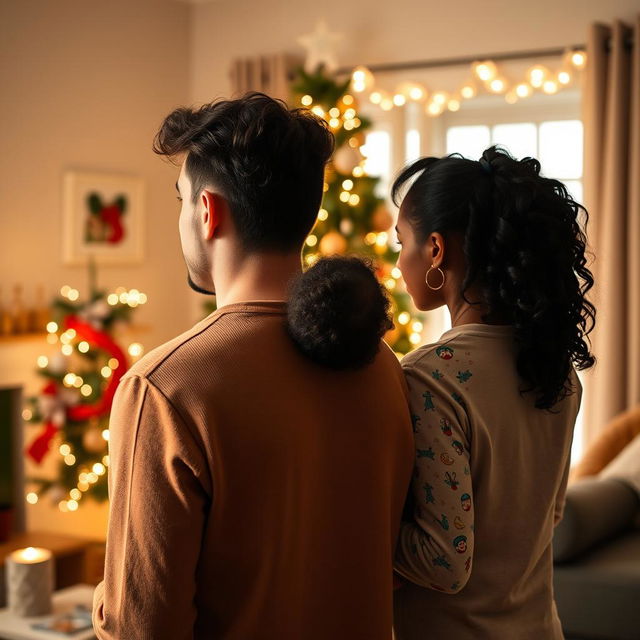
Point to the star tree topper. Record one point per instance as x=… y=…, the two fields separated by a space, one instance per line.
x=320 y=48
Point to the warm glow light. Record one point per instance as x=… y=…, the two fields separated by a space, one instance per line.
x=434 y=109
x=396 y=273
x=70 y=460
x=468 y=91
x=416 y=93
x=76 y=494
x=349 y=114
x=105 y=460
x=312 y=240
x=52 y=327
x=334 y=123
x=86 y=390
x=32 y=498
x=105 y=434
x=73 y=295
x=550 y=87
x=135 y=349
x=537 y=76
x=112 y=299
x=78 y=382
x=485 y=70
x=323 y=214
x=358 y=172
x=113 y=363
x=83 y=485
x=361 y=79
x=390 y=284
x=415 y=338
x=453 y=105
x=381 y=239
x=27 y=414
x=64 y=449
x=347 y=99
x=92 y=477
x=376 y=97
x=370 y=238
x=67 y=349
x=498 y=85
x=306 y=100
x=52 y=338
x=417 y=326
x=105 y=371
x=99 y=468
x=564 y=77
x=386 y=104
x=83 y=346
x=511 y=97
x=404 y=318
x=43 y=361
x=399 y=99
x=64 y=290
x=72 y=505
x=143 y=298
x=439 y=97
x=62 y=505
x=523 y=90
x=354 y=199
x=344 y=196
x=579 y=59
x=347 y=184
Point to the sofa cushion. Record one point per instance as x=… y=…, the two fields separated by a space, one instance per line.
x=598 y=596
x=596 y=509
x=626 y=465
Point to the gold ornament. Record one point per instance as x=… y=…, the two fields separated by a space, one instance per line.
x=382 y=218
x=333 y=243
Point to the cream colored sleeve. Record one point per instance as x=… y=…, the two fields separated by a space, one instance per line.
x=435 y=550
x=159 y=491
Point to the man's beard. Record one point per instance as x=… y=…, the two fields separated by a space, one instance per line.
x=195 y=287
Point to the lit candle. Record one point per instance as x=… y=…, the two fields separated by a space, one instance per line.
x=30 y=581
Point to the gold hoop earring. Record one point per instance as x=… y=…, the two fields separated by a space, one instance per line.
x=426 y=278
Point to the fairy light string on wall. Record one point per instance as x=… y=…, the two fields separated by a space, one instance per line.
x=486 y=77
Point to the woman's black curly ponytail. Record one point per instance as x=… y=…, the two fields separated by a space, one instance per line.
x=525 y=251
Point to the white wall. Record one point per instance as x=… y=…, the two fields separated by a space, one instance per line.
x=84 y=84
x=380 y=31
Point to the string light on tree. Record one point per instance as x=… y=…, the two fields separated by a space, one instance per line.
x=80 y=381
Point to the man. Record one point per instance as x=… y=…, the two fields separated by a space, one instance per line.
x=254 y=492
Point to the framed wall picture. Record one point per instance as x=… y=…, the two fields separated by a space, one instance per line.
x=103 y=217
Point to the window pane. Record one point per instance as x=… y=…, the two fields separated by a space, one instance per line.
x=561 y=149
x=412 y=145
x=519 y=139
x=469 y=141
x=377 y=151
x=574 y=187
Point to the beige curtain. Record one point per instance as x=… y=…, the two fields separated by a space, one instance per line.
x=612 y=197
x=269 y=74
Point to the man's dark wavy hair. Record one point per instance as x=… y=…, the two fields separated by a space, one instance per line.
x=267 y=161
x=525 y=251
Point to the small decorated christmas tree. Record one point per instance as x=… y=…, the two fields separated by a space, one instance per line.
x=79 y=384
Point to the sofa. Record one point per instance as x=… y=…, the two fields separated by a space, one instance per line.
x=597 y=543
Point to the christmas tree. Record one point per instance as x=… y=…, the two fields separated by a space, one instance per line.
x=353 y=219
x=75 y=402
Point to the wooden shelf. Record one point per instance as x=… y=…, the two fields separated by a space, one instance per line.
x=42 y=336
x=23 y=337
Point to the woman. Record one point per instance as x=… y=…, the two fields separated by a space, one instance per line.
x=494 y=401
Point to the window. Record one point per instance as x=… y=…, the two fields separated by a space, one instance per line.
x=556 y=143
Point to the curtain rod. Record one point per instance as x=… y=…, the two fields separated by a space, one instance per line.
x=463 y=61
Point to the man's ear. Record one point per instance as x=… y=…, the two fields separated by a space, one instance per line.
x=212 y=213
